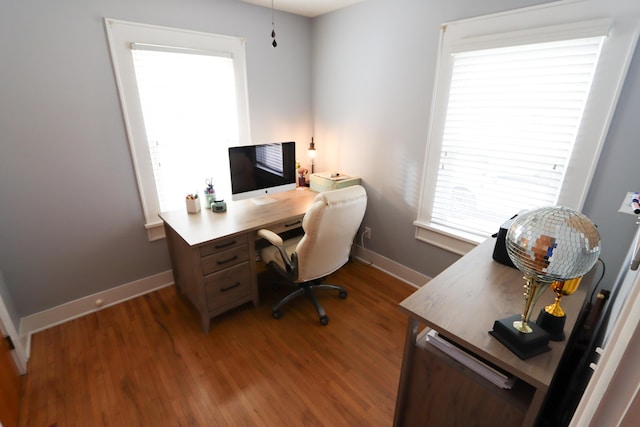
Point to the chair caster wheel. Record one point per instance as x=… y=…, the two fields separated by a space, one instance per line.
x=276 y=314
x=324 y=320
x=343 y=294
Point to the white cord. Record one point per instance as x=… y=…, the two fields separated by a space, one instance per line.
x=364 y=251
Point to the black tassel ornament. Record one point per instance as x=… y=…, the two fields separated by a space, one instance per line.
x=273 y=28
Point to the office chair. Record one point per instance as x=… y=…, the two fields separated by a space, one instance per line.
x=330 y=226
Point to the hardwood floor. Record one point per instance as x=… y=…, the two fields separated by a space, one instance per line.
x=146 y=362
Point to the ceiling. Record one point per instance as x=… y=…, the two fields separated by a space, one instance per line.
x=308 y=8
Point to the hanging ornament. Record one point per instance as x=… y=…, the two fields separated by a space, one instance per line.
x=273 y=28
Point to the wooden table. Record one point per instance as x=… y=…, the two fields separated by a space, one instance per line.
x=461 y=304
x=213 y=255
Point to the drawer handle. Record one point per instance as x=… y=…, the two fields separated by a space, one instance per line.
x=224 y=261
x=293 y=223
x=228 y=288
x=231 y=243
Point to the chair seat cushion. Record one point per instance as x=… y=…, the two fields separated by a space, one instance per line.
x=271 y=253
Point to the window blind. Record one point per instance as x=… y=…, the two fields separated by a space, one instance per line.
x=511 y=122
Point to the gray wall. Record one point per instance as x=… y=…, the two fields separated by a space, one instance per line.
x=70 y=217
x=71 y=222
x=374 y=67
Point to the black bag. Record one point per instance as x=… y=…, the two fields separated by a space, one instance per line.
x=500 y=250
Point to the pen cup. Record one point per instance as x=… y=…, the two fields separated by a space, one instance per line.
x=193 y=205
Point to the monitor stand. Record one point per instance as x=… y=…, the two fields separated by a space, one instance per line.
x=263 y=200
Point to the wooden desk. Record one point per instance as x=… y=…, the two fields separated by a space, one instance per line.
x=213 y=255
x=461 y=304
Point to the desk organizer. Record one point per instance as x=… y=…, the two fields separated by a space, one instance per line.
x=193 y=205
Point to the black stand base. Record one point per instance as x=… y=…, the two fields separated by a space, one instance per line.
x=552 y=324
x=523 y=345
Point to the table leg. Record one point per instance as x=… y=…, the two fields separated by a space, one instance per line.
x=409 y=348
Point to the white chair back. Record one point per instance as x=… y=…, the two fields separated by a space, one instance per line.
x=330 y=225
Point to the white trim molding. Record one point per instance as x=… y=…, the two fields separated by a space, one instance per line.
x=7 y=327
x=392 y=268
x=611 y=391
x=73 y=309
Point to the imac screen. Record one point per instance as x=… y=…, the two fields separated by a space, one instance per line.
x=259 y=170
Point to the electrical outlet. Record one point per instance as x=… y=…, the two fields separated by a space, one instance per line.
x=367 y=232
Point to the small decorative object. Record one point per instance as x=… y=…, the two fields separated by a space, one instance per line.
x=193 y=203
x=218 y=206
x=548 y=245
x=209 y=192
x=273 y=28
x=302 y=177
x=552 y=317
x=635 y=203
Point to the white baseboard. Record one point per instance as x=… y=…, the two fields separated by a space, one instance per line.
x=8 y=328
x=73 y=309
x=82 y=306
x=390 y=267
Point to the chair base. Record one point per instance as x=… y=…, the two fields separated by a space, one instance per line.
x=308 y=289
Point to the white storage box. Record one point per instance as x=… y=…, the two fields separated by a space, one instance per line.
x=325 y=181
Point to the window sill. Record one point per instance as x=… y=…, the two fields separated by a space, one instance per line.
x=455 y=241
x=155 y=231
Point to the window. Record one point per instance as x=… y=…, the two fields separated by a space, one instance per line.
x=184 y=100
x=511 y=123
x=518 y=119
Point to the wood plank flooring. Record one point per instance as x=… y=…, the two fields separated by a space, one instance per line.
x=146 y=362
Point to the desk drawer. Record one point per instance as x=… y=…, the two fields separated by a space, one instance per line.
x=286 y=226
x=223 y=244
x=228 y=285
x=224 y=259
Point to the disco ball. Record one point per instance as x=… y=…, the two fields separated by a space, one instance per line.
x=553 y=243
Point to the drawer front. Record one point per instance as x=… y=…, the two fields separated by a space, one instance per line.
x=228 y=285
x=286 y=226
x=224 y=259
x=223 y=244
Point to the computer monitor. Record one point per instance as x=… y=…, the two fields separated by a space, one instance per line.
x=263 y=169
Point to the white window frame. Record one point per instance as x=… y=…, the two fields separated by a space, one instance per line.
x=121 y=36
x=552 y=21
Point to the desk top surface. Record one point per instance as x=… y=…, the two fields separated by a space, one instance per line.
x=463 y=301
x=241 y=216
